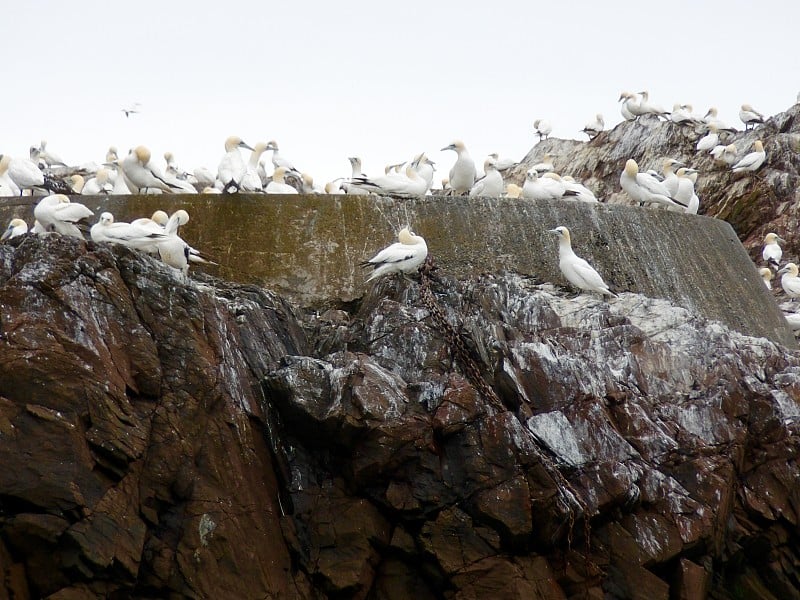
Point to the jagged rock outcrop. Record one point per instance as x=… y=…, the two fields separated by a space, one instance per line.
x=493 y=437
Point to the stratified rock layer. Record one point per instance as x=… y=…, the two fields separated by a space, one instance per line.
x=488 y=438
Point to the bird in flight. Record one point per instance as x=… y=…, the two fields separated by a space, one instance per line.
x=132 y=110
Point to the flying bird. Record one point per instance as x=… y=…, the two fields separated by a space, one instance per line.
x=575 y=269
x=132 y=110
x=404 y=256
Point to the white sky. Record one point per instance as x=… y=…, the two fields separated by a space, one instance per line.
x=382 y=81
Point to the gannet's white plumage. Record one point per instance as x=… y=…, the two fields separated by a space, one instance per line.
x=750 y=117
x=594 y=128
x=125 y=234
x=502 y=164
x=231 y=168
x=630 y=107
x=251 y=182
x=670 y=179
x=355 y=174
x=711 y=118
x=542 y=188
x=141 y=174
x=575 y=269
x=647 y=107
x=644 y=188
x=790 y=282
x=9 y=188
x=708 y=141
x=404 y=256
x=99 y=184
x=543 y=128
x=545 y=165
x=16 y=227
x=766 y=276
x=684 y=191
x=278 y=184
x=408 y=185
x=25 y=174
x=772 y=252
x=57 y=213
x=278 y=160
x=513 y=191
x=463 y=172
x=751 y=161
x=491 y=185
x=51 y=159
x=578 y=191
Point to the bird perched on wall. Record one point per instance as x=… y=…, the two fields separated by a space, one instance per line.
x=404 y=256
x=232 y=168
x=645 y=188
x=278 y=184
x=491 y=184
x=790 y=282
x=543 y=128
x=15 y=228
x=575 y=269
x=141 y=174
x=463 y=173
x=766 y=276
x=594 y=128
x=772 y=252
x=57 y=213
x=751 y=161
x=750 y=117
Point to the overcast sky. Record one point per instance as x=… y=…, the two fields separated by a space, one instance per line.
x=382 y=81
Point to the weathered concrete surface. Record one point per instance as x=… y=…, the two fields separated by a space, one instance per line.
x=309 y=247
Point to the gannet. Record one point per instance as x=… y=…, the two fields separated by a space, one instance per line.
x=711 y=119
x=644 y=188
x=355 y=173
x=231 y=167
x=684 y=190
x=724 y=154
x=404 y=256
x=278 y=184
x=594 y=128
x=141 y=175
x=630 y=107
x=577 y=191
x=513 y=191
x=750 y=117
x=682 y=114
x=15 y=228
x=278 y=160
x=463 y=173
x=25 y=174
x=502 y=164
x=790 y=282
x=543 y=128
x=132 y=110
x=670 y=180
x=99 y=184
x=648 y=107
x=9 y=187
x=126 y=234
x=545 y=165
x=708 y=141
x=772 y=252
x=76 y=183
x=203 y=176
x=793 y=320
x=411 y=184
x=575 y=269
x=425 y=168
x=491 y=185
x=751 y=161
x=57 y=213
x=542 y=188
x=111 y=154
x=766 y=276
x=173 y=250
x=251 y=182
x=694 y=202
x=334 y=187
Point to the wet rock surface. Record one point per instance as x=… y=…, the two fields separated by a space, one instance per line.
x=203 y=439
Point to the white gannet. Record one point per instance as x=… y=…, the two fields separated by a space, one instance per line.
x=766 y=276
x=278 y=184
x=251 y=182
x=751 y=161
x=125 y=234
x=545 y=165
x=724 y=154
x=682 y=114
x=542 y=188
x=513 y=191
x=578 y=191
x=694 y=202
x=711 y=119
x=99 y=184
x=575 y=269
x=203 y=177
x=50 y=158
x=173 y=250
x=355 y=173
x=404 y=256
x=25 y=174
x=141 y=174
x=644 y=188
x=502 y=164
x=630 y=107
x=772 y=252
x=491 y=185
x=76 y=183
x=543 y=128
x=790 y=282
x=231 y=167
x=648 y=107
x=111 y=154
x=594 y=128
x=132 y=109
x=670 y=179
x=708 y=141
x=463 y=172
x=7 y=185
x=278 y=160
x=684 y=191
x=408 y=185
x=57 y=213
x=750 y=117
x=334 y=188
x=15 y=228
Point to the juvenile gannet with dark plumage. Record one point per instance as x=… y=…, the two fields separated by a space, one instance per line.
x=575 y=269
x=15 y=228
x=231 y=168
x=543 y=128
x=790 y=282
x=750 y=117
x=772 y=252
x=766 y=276
x=404 y=256
x=644 y=188
x=278 y=184
x=491 y=185
x=751 y=161
x=57 y=213
x=463 y=172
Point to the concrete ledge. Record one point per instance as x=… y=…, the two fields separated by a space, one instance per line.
x=309 y=247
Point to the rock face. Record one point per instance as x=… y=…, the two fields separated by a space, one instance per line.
x=492 y=437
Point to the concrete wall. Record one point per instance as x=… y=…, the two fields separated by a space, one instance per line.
x=309 y=247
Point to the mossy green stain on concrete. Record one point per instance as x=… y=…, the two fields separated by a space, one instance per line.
x=310 y=247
